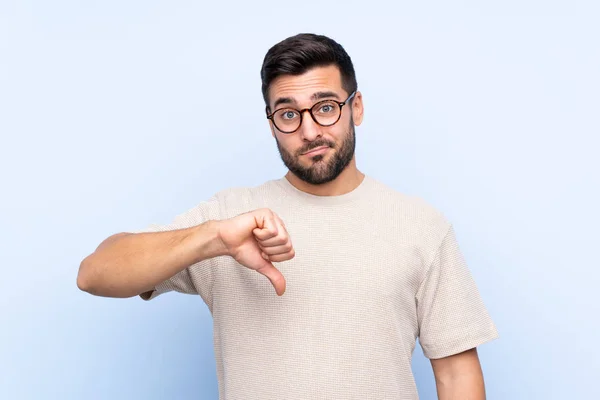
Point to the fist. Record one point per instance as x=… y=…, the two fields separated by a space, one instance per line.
x=256 y=240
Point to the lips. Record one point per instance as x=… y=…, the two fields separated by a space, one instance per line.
x=316 y=149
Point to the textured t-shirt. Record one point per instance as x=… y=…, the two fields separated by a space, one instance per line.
x=374 y=269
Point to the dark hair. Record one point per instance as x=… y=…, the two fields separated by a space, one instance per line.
x=297 y=54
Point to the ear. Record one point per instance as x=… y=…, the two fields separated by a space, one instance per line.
x=357 y=109
x=267 y=111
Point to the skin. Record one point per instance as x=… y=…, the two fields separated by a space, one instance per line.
x=301 y=89
x=131 y=264
x=459 y=376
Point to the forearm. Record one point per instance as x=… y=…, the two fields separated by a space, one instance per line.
x=126 y=265
x=466 y=386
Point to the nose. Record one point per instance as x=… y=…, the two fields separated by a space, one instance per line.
x=309 y=130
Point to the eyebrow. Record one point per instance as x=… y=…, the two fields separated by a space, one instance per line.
x=315 y=96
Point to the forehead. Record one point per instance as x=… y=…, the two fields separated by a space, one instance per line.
x=300 y=88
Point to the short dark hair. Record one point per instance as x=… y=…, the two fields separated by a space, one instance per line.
x=297 y=54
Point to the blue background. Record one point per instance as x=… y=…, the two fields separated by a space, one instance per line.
x=115 y=115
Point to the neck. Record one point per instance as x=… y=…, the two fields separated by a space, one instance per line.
x=346 y=182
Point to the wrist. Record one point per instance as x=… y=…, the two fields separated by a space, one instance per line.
x=206 y=241
x=216 y=243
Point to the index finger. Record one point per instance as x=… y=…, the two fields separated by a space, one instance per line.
x=267 y=228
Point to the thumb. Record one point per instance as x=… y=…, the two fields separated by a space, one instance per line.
x=274 y=275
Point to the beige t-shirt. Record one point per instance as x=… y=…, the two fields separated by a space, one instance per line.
x=374 y=269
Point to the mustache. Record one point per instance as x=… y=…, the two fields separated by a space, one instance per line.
x=314 y=145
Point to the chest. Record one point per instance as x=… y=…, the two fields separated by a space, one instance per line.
x=352 y=260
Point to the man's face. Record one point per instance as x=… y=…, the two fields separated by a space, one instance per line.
x=336 y=142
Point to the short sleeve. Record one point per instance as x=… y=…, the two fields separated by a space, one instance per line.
x=196 y=278
x=451 y=314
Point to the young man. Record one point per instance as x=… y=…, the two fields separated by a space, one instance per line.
x=365 y=269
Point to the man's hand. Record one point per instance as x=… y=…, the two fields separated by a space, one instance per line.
x=256 y=239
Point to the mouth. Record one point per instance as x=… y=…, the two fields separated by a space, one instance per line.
x=315 y=151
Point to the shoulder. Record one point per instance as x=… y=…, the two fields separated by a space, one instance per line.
x=238 y=199
x=405 y=204
x=223 y=204
x=411 y=213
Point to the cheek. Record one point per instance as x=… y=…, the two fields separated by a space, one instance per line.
x=338 y=135
x=287 y=143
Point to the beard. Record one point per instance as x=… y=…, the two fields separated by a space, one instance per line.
x=321 y=171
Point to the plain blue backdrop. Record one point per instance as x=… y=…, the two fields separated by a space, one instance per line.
x=115 y=115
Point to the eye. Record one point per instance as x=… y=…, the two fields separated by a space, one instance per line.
x=288 y=114
x=327 y=108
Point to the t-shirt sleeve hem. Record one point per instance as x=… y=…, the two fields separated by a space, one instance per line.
x=157 y=291
x=461 y=344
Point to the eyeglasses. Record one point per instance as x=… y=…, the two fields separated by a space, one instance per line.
x=325 y=113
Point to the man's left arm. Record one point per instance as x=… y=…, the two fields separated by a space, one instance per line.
x=459 y=376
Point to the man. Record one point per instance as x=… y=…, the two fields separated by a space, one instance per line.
x=365 y=269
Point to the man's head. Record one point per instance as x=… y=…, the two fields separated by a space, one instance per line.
x=314 y=72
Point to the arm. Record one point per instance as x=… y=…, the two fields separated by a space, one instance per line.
x=127 y=264
x=459 y=377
